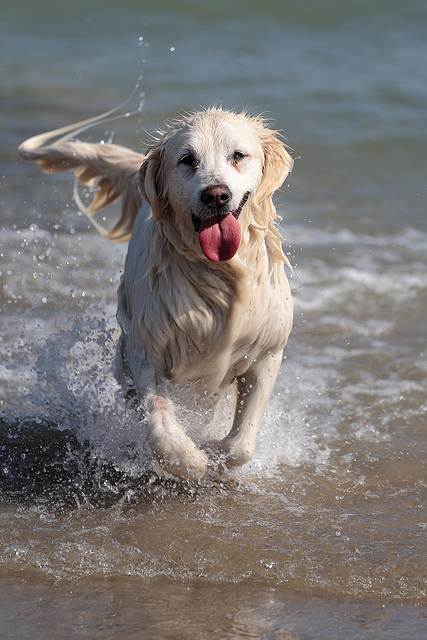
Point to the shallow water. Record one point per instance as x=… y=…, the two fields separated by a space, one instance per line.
x=323 y=534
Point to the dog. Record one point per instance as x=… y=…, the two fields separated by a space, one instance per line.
x=204 y=298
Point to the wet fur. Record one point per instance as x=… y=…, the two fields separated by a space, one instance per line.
x=186 y=319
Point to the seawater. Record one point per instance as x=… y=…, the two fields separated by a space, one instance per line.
x=323 y=534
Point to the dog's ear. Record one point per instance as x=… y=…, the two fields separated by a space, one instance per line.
x=151 y=183
x=277 y=164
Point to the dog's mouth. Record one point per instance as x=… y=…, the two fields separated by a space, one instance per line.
x=220 y=234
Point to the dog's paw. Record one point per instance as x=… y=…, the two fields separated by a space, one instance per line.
x=189 y=466
x=225 y=455
x=176 y=452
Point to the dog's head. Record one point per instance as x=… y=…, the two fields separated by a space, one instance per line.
x=206 y=168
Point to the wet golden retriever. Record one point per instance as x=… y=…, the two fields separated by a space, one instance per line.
x=204 y=298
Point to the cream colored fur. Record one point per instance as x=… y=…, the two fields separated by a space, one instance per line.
x=184 y=318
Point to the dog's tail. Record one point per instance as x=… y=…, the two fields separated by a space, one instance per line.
x=109 y=169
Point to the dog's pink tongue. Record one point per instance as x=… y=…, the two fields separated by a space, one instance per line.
x=219 y=237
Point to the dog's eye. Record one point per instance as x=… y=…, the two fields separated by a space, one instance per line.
x=188 y=159
x=237 y=156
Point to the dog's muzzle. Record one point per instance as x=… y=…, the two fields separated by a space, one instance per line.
x=219 y=232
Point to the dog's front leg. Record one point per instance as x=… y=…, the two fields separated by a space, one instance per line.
x=176 y=452
x=253 y=391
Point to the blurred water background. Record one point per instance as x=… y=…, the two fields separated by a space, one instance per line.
x=323 y=534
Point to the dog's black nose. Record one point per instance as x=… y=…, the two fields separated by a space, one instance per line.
x=216 y=196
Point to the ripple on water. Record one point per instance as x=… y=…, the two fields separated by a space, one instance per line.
x=351 y=526
x=331 y=506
